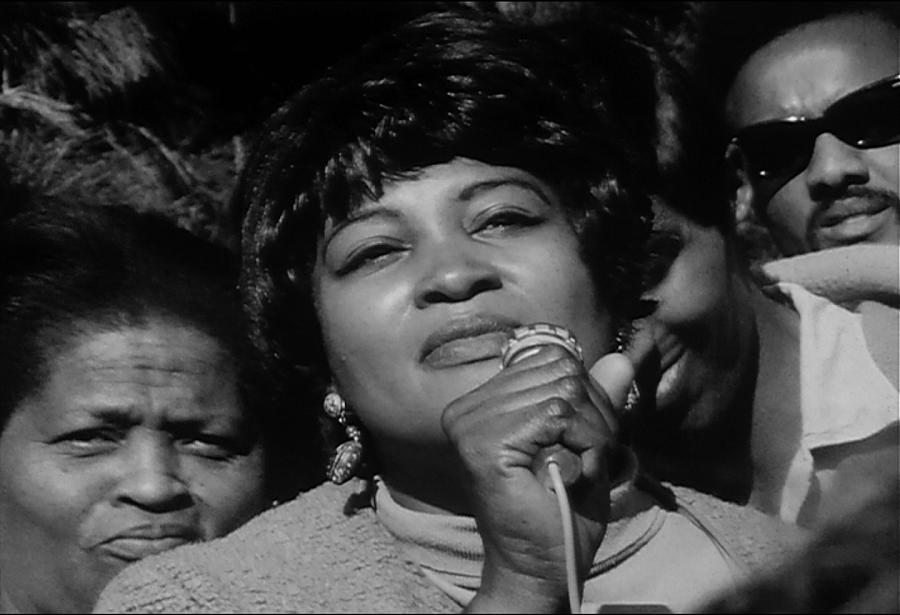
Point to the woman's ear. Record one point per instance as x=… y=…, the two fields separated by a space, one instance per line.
x=743 y=192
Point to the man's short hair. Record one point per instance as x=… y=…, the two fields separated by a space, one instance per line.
x=731 y=32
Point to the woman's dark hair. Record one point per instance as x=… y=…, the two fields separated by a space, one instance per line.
x=664 y=110
x=446 y=85
x=69 y=269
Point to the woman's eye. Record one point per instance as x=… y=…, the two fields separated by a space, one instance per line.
x=93 y=441
x=663 y=247
x=210 y=446
x=505 y=219
x=372 y=255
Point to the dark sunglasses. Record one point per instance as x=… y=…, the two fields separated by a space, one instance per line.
x=865 y=118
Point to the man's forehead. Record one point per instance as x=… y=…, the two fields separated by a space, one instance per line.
x=804 y=70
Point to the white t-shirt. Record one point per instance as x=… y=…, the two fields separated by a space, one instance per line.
x=845 y=397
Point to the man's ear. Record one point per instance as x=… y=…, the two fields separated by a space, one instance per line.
x=749 y=220
x=742 y=197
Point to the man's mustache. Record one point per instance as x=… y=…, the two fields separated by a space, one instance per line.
x=884 y=198
x=878 y=199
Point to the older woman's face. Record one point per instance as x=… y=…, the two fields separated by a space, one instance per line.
x=417 y=292
x=136 y=442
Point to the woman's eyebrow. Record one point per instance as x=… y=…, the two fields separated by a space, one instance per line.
x=471 y=191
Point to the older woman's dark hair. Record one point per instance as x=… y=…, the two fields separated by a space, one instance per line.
x=443 y=86
x=68 y=269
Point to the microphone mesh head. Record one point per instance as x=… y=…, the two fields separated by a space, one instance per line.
x=531 y=337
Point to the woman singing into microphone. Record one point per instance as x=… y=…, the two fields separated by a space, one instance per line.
x=402 y=217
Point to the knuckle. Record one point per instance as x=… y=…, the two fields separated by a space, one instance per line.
x=557 y=407
x=567 y=365
x=570 y=387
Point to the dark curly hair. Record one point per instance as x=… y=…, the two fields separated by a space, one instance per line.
x=666 y=111
x=446 y=85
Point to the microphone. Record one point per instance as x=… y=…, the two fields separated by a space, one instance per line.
x=524 y=342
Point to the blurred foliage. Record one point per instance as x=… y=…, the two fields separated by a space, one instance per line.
x=76 y=78
x=70 y=53
x=153 y=104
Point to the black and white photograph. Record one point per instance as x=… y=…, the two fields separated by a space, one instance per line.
x=442 y=307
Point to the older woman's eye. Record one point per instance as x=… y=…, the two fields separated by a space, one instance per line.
x=211 y=446
x=87 y=442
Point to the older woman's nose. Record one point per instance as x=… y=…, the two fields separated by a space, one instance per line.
x=453 y=273
x=151 y=477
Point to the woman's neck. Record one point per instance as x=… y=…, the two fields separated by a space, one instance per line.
x=419 y=485
x=408 y=499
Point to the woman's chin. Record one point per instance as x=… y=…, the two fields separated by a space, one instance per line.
x=450 y=383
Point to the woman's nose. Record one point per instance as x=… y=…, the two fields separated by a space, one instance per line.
x=151 y=477
x=454 y=272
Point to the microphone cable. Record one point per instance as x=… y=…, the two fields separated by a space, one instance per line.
x=573 y=583
x=563 y=466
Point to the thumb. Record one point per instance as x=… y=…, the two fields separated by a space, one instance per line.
x=615 y=373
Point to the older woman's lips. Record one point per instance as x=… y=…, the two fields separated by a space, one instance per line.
x=464 y=350
x=140 y=542
x=133 y=549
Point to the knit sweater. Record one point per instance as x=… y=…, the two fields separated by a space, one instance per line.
x=305 y=556
x=308 y=555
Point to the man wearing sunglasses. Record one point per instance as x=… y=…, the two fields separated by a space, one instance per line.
x=760 y=398
x=815 y=118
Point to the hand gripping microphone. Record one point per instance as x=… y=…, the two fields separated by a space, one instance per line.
x=524 y=342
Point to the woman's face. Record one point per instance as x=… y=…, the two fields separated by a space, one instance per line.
x=418 y=290
x=701 y=319
x=135 y=443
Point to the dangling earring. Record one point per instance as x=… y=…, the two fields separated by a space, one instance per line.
x=347 y=457
x=623 y=336
x=634 y=397
x=623 y=339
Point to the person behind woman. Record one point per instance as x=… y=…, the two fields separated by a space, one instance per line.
x=404 y=215
x=757 y=399
x=129 y=423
